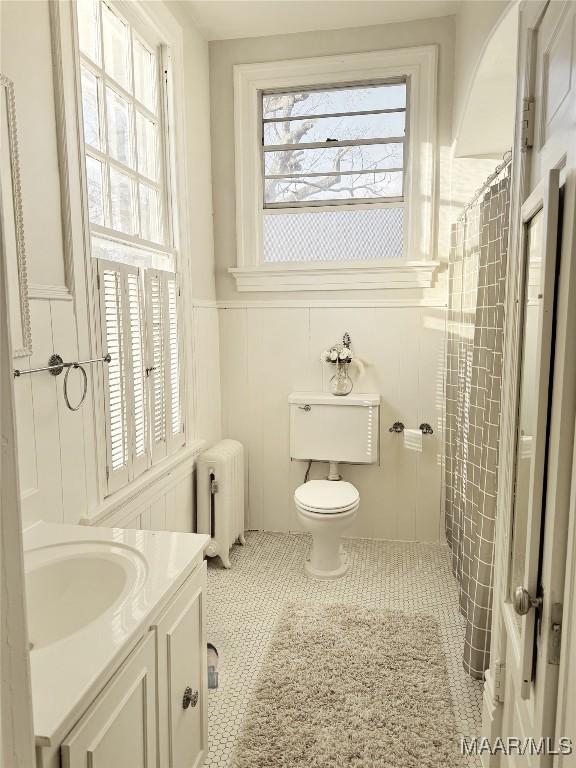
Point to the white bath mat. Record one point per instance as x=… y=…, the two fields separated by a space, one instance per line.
x=345 y=685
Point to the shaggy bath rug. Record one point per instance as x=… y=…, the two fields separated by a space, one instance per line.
x=349 y=686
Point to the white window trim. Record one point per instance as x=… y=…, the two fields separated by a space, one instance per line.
x=81 y=268
x=419 y=64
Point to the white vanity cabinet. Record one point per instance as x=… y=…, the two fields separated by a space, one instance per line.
x=119 y=729
x=152 y=712
x=183 y=678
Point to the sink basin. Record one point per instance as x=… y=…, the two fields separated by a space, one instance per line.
x=70 y=586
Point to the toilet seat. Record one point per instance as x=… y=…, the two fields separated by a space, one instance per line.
x=326 y=497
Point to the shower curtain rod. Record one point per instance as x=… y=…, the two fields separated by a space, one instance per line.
x=506 y=160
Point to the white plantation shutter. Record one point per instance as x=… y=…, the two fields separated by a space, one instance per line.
x=137 y=395
x=112 y=312
x=167 y=428
x=174 y=420
x=125 y=390
x=157 y=356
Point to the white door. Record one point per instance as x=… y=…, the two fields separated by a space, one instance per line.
x=119 y=729
x=182 y=677
x=539 y=405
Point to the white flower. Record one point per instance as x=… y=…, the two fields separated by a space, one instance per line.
x=345 y=355
x=334 y=355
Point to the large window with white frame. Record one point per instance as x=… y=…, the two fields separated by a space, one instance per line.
x=335 y=170
x=125 y=119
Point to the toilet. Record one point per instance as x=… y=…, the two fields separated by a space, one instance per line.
x=336 y=430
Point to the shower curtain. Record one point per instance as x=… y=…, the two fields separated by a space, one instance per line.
x=477 y=282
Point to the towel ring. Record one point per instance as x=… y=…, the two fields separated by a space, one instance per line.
x=84 y=390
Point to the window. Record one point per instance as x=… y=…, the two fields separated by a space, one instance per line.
x=125 y=142
x=335 y=171
x=325 y=152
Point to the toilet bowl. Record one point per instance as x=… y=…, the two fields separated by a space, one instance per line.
x=326 y=509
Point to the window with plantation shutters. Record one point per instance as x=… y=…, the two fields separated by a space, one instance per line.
x=123 y=337
x=123 y=71
x=139 y=313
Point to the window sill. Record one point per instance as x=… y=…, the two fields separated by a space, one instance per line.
x=152 y=477
x=332 y=277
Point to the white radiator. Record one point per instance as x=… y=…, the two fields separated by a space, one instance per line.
x=220 y=497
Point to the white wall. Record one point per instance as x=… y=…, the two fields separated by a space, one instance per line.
x=271 y=343
x=206 y=386
x=270 y=351
x=57 y=470
x=474 y=23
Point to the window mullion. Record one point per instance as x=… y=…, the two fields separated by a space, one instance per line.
x=98 y=71
x=310 y=175
x=332 y=144
x=136 y=212
x=107 y=195
x=320 y=116
x=168 y=212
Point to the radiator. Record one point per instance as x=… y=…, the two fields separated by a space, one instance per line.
x=220 y=497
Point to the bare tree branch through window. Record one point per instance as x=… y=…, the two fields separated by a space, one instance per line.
x=340 y=144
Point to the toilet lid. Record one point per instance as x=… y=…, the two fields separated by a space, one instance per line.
x=327 y=496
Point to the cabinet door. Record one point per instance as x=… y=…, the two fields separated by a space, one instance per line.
x=183 y=677
x=119 y=729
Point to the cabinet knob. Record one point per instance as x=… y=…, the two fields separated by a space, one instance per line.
x=190 y=698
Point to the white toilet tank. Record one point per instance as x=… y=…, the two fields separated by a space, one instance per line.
x=325 y=427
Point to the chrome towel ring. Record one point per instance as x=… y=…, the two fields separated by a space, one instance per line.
x=84 y=386
x=56 y=366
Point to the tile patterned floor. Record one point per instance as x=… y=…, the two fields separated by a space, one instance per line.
x=244 y=602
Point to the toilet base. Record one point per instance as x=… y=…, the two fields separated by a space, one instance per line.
x=324 y=575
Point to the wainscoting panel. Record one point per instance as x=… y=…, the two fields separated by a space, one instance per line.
x=266 y=353
x=73 y=446
x=204 y=388
x=38 y=428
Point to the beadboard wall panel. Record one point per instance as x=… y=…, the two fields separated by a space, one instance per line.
x=205 y=387
x=266 y=353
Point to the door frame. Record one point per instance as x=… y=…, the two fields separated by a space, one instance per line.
x=542 y=708
x=544 y=199
x=16 y=727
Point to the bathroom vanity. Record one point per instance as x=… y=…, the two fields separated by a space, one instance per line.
x=117 y=646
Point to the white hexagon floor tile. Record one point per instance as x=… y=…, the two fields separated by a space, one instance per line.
x=268 y=572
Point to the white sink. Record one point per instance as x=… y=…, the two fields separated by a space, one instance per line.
x=90 y=594
x=71 y=585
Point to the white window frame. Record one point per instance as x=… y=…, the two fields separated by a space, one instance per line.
x=143 y=31
x=81 y=267
x=419 y=66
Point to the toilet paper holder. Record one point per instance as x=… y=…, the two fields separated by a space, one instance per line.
x=398 y=427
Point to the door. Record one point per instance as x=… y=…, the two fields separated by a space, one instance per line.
x=119 y=729
x=182 y=677
x=536 y=456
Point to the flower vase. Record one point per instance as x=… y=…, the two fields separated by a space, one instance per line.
x=341 y=384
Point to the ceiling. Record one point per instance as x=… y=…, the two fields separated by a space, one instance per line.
x=224 y=19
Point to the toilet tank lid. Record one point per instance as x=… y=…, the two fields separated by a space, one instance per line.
x=326 y=398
